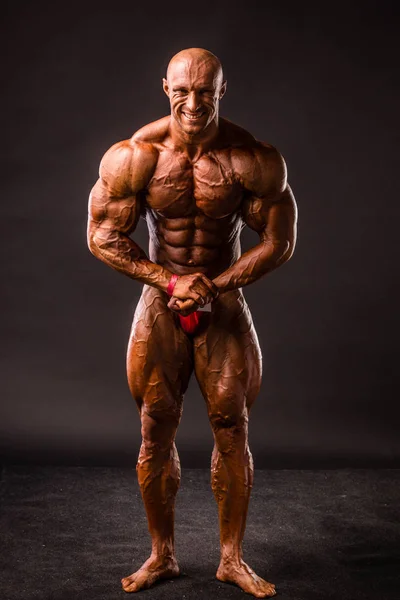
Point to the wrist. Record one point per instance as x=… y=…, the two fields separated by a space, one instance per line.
x=163 y=280
x=171 y=284
x=222 y=284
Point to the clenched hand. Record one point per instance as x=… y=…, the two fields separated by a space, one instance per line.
x=192 y=291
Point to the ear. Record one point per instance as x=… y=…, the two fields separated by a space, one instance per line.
x=223 y=89
x=165 y=86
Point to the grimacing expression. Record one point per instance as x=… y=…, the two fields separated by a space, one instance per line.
x=194 y=89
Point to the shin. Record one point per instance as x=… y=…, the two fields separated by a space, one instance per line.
x=232 y=479
x=158 y=470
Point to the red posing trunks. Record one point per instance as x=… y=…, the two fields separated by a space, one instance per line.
x=190 y=323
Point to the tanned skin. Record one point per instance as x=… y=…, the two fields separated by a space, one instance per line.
x=197 y=180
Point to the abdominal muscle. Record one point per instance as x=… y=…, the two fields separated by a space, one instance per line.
x=189 y=245
x=200 y=244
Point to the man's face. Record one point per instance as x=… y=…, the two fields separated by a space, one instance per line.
x=194 y=89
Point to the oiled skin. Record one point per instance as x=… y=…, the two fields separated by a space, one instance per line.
x=195 y=201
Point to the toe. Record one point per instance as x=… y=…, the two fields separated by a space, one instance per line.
x=267 y=586
x=265 y=594
x=130 y=587
x=129 y=584
x=265 y=590
x=271 y=590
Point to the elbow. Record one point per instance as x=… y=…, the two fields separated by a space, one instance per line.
x=291 y=243
x=91 y=241
x=283 y=251
x=93 y=248
x=288 y=253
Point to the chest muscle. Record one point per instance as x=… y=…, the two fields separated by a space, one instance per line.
x=179 y=188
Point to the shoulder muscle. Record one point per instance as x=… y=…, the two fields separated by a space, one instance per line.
x=264 y=172
x=127 y=167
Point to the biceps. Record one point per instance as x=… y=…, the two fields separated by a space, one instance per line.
x=112 y=213
x=282 y=219
x=275 y=221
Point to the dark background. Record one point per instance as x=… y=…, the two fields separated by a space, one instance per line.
x=316 y=80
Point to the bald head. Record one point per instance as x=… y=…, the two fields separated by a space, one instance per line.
x=194 y=86
x=196 y=58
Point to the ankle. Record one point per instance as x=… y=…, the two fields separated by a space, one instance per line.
x=163 y=550
x=231 y=555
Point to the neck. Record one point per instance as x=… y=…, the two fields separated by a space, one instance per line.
x=197 y=144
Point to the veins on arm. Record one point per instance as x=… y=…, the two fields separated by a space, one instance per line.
x=269 y=209
x=113 y=218
x=114 y=209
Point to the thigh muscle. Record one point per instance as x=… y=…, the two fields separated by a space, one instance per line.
x=159 y=359
x=228 y=361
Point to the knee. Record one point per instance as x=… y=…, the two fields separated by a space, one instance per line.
x=227 y=409
x=229 y=428
x=158 y=426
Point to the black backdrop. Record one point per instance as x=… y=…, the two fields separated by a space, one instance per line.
x=317 y=81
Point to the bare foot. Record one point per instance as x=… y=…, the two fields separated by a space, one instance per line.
x=241 y=574
x=153 y=569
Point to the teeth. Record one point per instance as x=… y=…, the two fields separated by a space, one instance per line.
x=192 y=117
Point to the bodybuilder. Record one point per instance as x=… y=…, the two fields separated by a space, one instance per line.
x=197 y=179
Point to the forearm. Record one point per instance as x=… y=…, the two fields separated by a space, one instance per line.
x=123 y=254
x=253 y=264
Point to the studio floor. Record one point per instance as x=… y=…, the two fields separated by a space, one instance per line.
x=71 y=533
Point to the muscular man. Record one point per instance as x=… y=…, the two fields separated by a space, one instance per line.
x=197 y=180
